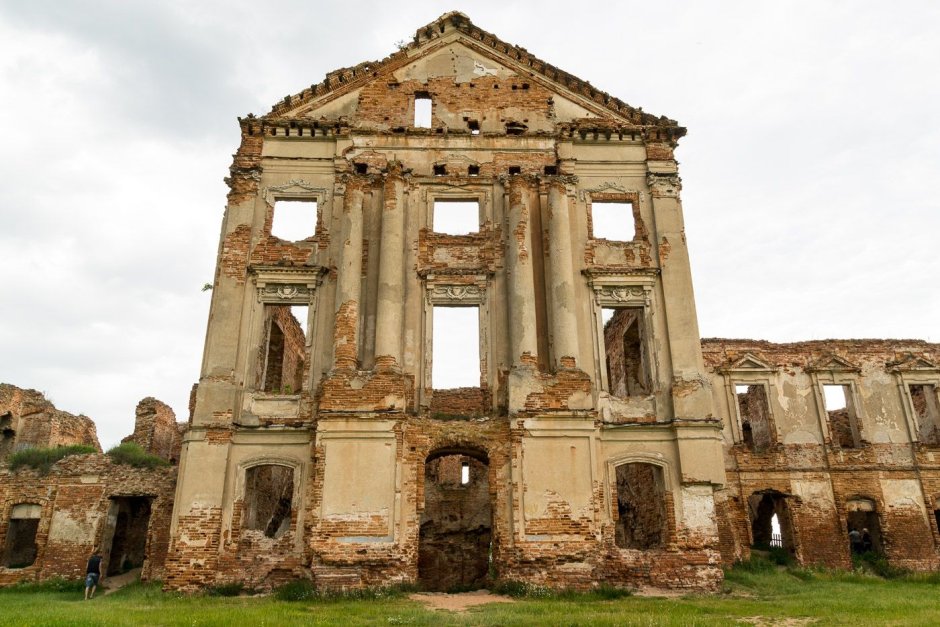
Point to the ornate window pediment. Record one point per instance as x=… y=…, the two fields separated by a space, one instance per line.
x=833 y=363
x=747 y=363
x=287 y=286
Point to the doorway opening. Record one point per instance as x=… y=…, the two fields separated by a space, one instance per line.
x=862 y=517
x=455 y=543
x=771 y=526
x=126 y=547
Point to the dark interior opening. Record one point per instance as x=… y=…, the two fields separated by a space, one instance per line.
x=763 y=508
x=269 y=492
x=455 y=539
x=754 y=410
x=641 y=507
x=128 y=545
x=862 y=516
x=627 y=372
x=20 y=548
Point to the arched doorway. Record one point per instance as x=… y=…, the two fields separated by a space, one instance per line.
x=771 y=526
x=455 y=540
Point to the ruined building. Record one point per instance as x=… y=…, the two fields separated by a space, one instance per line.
x=460 y=172
x=52 y=520
x=597 y=440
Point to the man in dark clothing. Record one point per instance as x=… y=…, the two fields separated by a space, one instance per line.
x=92 y=574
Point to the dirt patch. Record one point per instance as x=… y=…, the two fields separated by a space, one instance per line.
x=459 y=602
x=115 y=583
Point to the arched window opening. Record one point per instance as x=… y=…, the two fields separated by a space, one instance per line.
x=269 y=492
x=641 y=507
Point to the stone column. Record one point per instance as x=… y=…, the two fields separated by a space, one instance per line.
x=522 y=337
x=349 y=280
x=564 y=317
x=391 y=292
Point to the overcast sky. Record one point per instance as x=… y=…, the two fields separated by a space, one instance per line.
x=809 y=173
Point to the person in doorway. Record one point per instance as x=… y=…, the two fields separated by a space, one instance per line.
x=855 y=541
x=93 y=574
x=866 y=541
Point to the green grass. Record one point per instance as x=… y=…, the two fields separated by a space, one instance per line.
x=42 y=459
x=132 y=454
x=752 y=594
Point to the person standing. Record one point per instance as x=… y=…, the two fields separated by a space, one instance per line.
x=92 y=574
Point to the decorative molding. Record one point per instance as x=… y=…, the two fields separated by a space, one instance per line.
x=664 y=185
x=612 y=295
x=294 y=188
x=912 y=363
x=606 y=186
x=459 y=294
x=747 y=364
x=833 y=363
x=287 y=286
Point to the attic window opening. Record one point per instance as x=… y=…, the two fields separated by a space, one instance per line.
x=515 y=128
x=422 y=110
x=551 y=170
x=474 y=127
x=754 y=413
x=927 y=411
x=440 y=170
x=455 y=217
x=514 y=170
x=294 y=219
x=843 y=419
x=613 y=221
x=361 y=168
x=473 y=170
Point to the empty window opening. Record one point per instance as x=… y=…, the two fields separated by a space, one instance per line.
x=924 y=399
x=625 y=351
x=936 y=517
x=515 y=128
x=455 y=537
x=269 y=493
x=294 y=220
x=456 y=348
x=864 y=526
x=514 y=170
x=843 y=421
x=125 y=546
x=20 y=548
x=440 y=170
x=7 y=434
x=551 y=170
x=455 y=217
x=641 y=507
x=754 y=411
x=361 y=168
x=473 y=170
x=613 y=221
x=474 y=127
x=285 y=351
x=770 y=521
x=422 y=110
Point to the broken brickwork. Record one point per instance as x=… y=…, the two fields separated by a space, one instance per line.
x=29 y=420
x=823 y=480
x=156 y=430
x=51 y=521
x=371 y=447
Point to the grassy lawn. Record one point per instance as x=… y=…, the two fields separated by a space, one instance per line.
x=761 y=596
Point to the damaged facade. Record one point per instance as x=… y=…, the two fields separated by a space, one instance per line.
x=599 y=441
x=51 y=521
x=552 y=465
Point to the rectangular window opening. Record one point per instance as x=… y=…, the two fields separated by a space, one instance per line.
x=613 y=221
x=285 y=348
x=625 y=351
x=456 y=217
x=474 y=127
x=927 y=411
x=843 y=421
x=754 y=411
x=20 y=548
x=641 y=507
x=455 y=357
x=465 y=473
x=422 y=110
x=294 y=219
x=269 y=491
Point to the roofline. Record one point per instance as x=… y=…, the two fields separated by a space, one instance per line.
x=454 y=20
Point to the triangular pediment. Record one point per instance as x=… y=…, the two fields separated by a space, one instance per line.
x=453 y=49
x=748 y=363
x=833 y=363
x=913 y=363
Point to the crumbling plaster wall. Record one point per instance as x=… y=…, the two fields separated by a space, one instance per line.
x=891 y=467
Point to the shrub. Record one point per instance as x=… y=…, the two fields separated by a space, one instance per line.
x=56 y=584
x=878 y=564
x=132 y=454
x=42 y=459
x=298 y=590
x=232 y=589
